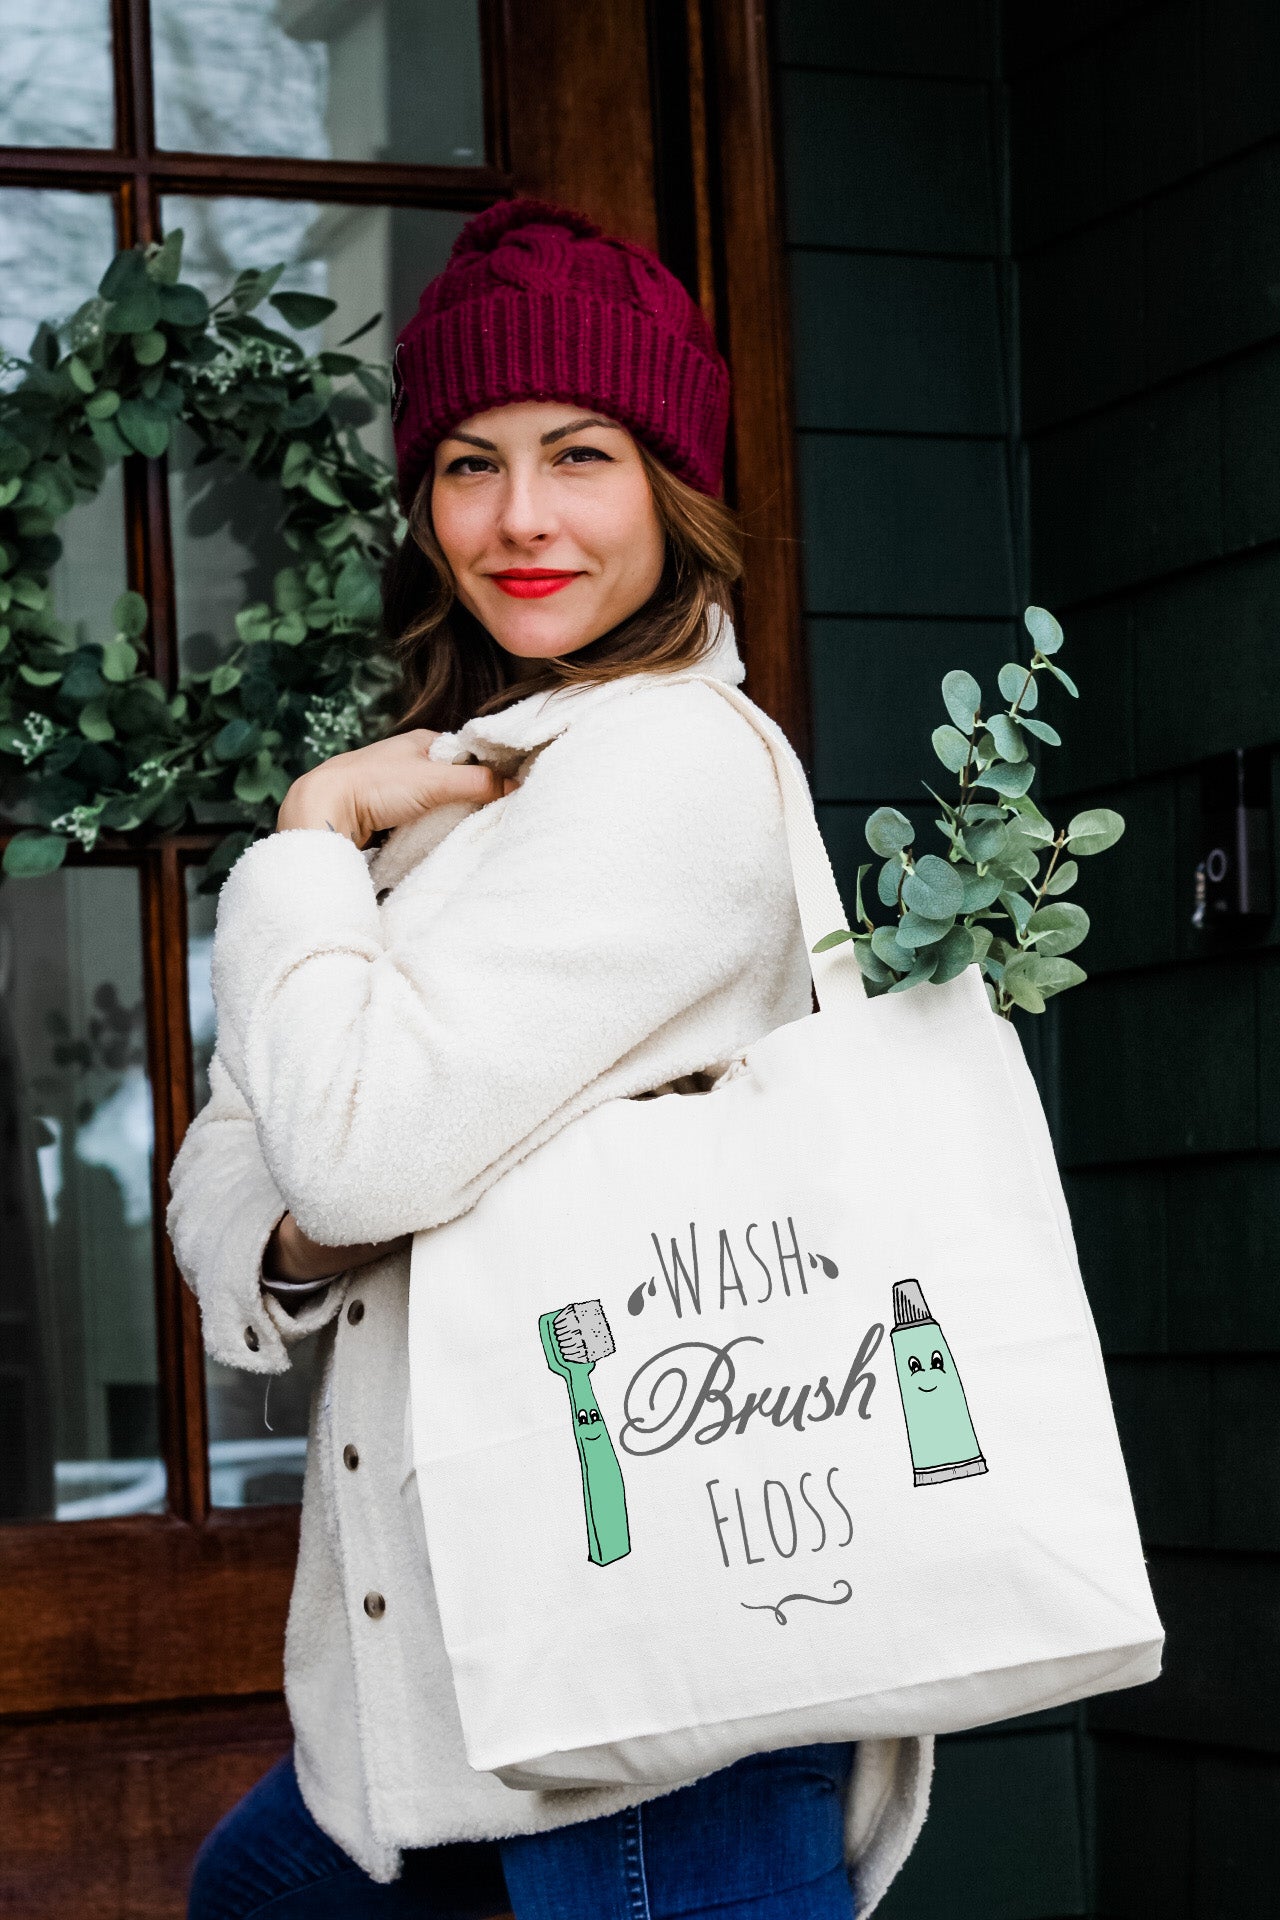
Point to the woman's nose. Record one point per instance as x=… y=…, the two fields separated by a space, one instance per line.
x=526 y=515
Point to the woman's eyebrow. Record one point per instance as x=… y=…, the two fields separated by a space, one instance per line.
x=576 y=426
x=472 y=440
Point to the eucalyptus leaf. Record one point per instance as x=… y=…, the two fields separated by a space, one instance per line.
x=134 y=312
x=987 y=841
x=859 y=909
x=103 y=404
x=830 y=940
x=31 y=853
x=924 y=969
x=1011 y=781
x=129 y=615
x=1094 y=831
x=254 y=623
x=1063 y=878
x=888 y=831
x=1018 y=909
x=1017 y=683
x=951 y=747
x=303 y=310
x=915 y=931
x=872 y=968
x=962 y=697
x=164 y=262
x=886 y=949
x=1065 y=678
x=1042 y=730
x=95 y=722
x=955 y=953
x=1019 y=984
x=981 y=937
x=236 y=739
x=144 y=425
x=1031 y=823
x=321 y=487
x=934 y=890
x=982 y=891
x=149 y=348
x=118 y=660
x=1043 y=628
x=888 y=880
x=1010 y=744
x=183 y=306
x=1058 y=928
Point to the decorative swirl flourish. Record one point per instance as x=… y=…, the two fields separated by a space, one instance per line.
x=788 y=1599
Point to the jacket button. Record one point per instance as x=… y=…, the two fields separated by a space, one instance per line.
x=374 y=1605
x=355 y=1312
x=350 y=1458
x=251 y=1339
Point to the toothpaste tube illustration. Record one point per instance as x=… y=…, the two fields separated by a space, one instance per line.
x=943 y=1443
x=573 y=1339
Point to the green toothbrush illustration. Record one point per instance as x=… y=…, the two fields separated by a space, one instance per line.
x=573 y=1340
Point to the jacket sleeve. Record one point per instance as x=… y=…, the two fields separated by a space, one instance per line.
x=639 y=868
x=223 y=1205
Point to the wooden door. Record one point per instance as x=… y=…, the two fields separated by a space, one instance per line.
x=141 y=1630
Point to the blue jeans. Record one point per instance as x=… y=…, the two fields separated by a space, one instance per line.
x=761 y=1840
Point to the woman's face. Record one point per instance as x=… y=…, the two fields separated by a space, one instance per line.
x=544 y=513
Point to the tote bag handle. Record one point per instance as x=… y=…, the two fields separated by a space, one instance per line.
x=837 y=978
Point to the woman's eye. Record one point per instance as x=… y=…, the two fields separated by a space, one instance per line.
x=470 y=463
x=580 y=456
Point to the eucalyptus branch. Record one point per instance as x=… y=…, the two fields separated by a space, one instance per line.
x=986 y=901
x=91 y=739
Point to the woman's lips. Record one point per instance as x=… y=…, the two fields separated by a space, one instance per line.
x=531 y=583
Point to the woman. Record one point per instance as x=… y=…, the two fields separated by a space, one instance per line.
x=584 y=895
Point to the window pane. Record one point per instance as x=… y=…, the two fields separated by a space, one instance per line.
x=226 y=544
x=79 y=1395
x=324 y=79
x=55 y=247
x=257 y=1432
x=55 y=73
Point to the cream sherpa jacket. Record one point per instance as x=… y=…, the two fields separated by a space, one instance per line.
x=395 y=1028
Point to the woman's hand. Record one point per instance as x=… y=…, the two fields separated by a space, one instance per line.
x=385 y=784
x=290 y=1255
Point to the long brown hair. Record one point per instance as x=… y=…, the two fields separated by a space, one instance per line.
x=452 y=666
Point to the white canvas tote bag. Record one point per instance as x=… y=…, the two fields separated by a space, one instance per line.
x=775 y=1414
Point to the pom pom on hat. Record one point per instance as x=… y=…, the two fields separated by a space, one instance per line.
x=538 y=303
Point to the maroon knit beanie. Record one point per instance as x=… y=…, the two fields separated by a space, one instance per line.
x=537 y=303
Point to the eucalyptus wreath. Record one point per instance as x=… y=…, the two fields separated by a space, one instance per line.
x=91 y=738
x=996 y=896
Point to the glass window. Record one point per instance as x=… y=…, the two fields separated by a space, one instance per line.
x=395 y=80
x=257 y=1431
x=55 y=73
x=225 y=524
x=79 y=1396
x=55 y=247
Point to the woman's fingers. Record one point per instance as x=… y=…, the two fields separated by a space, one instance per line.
x=467 y=783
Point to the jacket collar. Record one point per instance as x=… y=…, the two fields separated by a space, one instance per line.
x=504 y=739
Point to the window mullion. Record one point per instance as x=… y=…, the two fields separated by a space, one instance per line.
x=178 y=1334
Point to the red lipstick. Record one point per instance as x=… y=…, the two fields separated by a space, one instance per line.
x=532 y=583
